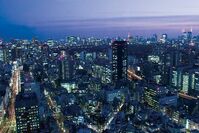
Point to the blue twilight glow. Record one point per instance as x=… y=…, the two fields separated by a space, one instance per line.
x=34 y=14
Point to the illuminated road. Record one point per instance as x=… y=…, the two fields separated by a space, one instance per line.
x=9 y=125
x=14 y=90
x=132 y=75
x=113 y=116
x=59 y=120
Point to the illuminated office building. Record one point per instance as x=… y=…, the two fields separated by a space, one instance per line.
x=1 y=53
x=157 y=96
x=185 y=82
x=174 y=78
x=119 y=60
x=27 y=113
x=65 y=66
x=150 y=96
x=196 y=87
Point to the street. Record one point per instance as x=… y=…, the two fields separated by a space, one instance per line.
x=9 y=124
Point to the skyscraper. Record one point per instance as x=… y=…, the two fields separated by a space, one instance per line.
x=65 y=66
x=119 y=60
x=16 y=53
x=187 y=35
x=27 y=113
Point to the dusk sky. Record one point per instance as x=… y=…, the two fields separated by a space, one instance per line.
x=82 y=16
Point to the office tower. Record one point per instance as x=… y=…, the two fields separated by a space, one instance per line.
x=2 y=110
x=196 y=85
x=187 y=35
x=155 y=37
x=156 y=96
x=119 y=60
x=164 y=38
x=5 y=54
x=65 y=66
x=176 y=57
x=16 y=53
x=27 y=113
x=45 y=50
x=174 y=76
x=185 y=82
x=1 y=53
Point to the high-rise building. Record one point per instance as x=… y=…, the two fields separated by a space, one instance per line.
x=16 y=53
x=156 y=96
x=174 y=78
x=185 y=82
x=119 y=60
x=164 y=38
x=27 y=113
x=1 y=53
x=187 y=35
x=196 y=81
x=65 y=67
x=2 y=110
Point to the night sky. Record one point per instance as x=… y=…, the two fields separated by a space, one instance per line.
x=57 y=18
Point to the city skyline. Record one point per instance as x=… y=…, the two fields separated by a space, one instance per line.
x=108 y=66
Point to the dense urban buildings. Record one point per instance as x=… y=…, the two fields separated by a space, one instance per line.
x=131 y=84
x=99 y=66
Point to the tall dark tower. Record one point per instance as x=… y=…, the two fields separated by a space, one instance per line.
x=16 y=53
x=65 y=67
x=119 y=60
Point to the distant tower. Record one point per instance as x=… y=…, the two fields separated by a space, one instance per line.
x=130 y=38
x=119 y=60
x=187 y=35
x=164 y=38
x=27 y=113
